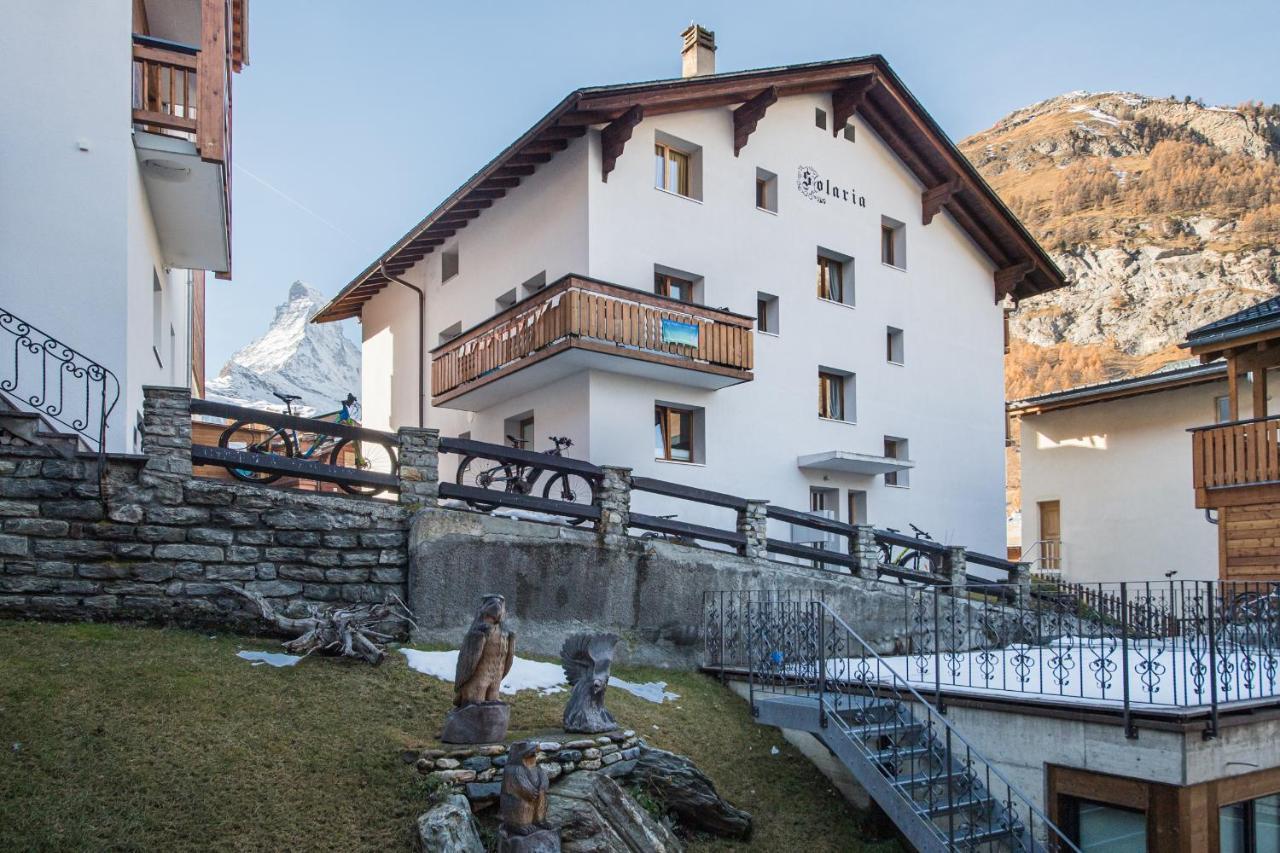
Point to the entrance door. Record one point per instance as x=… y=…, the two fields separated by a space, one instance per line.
x=1050 y=536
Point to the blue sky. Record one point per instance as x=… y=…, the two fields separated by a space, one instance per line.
x=355 y=119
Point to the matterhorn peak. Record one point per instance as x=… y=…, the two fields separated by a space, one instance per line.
x=294 y=356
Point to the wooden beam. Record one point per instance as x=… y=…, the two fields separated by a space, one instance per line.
x=523 y=157
x=211 y=82
x=495 y=182
x=848 y=99
x=905 y=151
x=487 y=193
x=514 y=171
x=1233 y=388
x=932 y=199
x=1007 y=278
x=747 y=116
x=582 y=118
x=978 y=234
x=1259 y=392
x=614 y=138
x=561 y=132
x=473 y=204
x=545 y=146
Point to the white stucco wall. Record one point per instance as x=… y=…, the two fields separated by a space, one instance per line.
x=947 y=399
x=77 y=243
x=1121 y=471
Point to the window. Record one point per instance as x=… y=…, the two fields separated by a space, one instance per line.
x=767 y=313
x=849 y=132
x=893 y=242
x=766 y=191
x=896 y=448
x=675 y=435
x=835 y=394
x=835 y=277
x=451 y=332
x=157 y=315
x=670 y=169
x=820 y=118
x=505 y=301
x=1250 y=827
x=673 y=286
x=1104 y=828
x=857 y=507
x=448 y=263
x=519 y=427
x=893 y=345
x=1221 y=409
x=534 y=284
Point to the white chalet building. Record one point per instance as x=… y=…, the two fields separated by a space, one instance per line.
x=114 y=200
x=784 y=284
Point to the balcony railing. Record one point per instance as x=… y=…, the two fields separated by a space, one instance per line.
x=1239 y=453
x=581 y=313
x=179 y=90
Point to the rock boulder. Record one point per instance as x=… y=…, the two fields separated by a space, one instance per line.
x=596 y=816
x=689 y=794
x=448 y=828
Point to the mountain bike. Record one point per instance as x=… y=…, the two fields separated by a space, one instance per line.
x=911 y=559
x=518 y=479
x=250 y=436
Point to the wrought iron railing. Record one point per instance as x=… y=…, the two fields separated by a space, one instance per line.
x=57 y=381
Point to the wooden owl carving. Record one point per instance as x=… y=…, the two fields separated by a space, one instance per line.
x=486 y=655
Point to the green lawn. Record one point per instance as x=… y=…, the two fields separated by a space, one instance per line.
x=125 y=738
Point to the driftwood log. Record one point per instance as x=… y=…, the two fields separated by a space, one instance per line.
x=354 y=631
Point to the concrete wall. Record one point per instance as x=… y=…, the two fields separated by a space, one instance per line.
x=947 y=399
x=1121 y=471
x=77 y=242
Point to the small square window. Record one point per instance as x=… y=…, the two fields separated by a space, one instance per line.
x=448 y=263
x=673 y=287
x=835 y=277
x=767 y=313
x=849 y=132
x=896 y=448
x=505 y=301
x=836 y=394
x=677 y=433
x=671 y=169
x=894 y=345
x=893 y=243
x=766 y=191
x=534 y=284
x=1221 y=409
x=820 y=118
x=451 y=332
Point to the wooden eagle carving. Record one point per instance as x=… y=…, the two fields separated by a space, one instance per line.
x=486 y=655
x=586 y=659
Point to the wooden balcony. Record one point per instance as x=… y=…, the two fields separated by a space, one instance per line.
x=180 y=90
x=581 y=324
x=1236 y=463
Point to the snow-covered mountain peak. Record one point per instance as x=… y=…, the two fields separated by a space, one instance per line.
x=294 y=356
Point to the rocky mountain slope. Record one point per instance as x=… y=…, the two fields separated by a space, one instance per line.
x=1164 y=212
x=294 y=356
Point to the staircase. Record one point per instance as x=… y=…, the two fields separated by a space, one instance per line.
x=809 y=671
x=32 y=429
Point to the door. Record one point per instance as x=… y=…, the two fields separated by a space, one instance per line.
x=1050 y=536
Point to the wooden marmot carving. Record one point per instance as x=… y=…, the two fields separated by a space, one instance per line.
x=523 y=803
x=486 y=655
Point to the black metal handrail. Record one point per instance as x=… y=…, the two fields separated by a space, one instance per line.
x=59 y=382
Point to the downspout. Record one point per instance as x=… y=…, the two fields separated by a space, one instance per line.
x=422 y=340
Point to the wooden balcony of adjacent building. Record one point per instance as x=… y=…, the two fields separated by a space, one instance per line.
x=1236 y=463
x=579 y=324
x=184 y=54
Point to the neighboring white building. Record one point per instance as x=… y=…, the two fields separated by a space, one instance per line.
x=574 y=287
x=115 y=189
x=1106 y=472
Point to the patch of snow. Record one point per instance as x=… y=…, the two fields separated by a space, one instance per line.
x=270 y=658
x=773 y=750
x=546 y=678
x=527 y=515
x=319 y=363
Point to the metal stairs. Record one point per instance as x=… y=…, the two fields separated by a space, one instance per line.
x=809 y=671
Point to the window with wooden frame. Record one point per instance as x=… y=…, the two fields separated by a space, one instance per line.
x=670 y=169
x=766 y=313
x=895 y=448
x=834 y=284
x=831 y=394
x=894 y=345
x=1252 y=826
x=673 y=287
x=893 y=243
x=673 y=433
x=766 y=191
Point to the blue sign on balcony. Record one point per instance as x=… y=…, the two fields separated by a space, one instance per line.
x=677 y=332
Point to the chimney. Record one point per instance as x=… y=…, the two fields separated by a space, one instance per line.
x=698 y=58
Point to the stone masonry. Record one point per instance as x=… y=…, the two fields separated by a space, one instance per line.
x=159 y=544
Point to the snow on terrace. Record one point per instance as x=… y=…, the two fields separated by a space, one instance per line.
x=1162 y=673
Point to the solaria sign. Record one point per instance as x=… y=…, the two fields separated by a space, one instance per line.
x=817 y=188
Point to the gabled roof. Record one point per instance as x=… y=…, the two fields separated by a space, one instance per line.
x=1179 y=374
x=1256 y=319
x=865 y=85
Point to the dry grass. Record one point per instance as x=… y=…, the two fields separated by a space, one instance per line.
x=124 y=738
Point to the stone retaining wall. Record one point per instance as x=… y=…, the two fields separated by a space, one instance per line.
x=159 y=544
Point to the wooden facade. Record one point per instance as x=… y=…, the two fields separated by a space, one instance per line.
x=1235 y=465
x=584 y=314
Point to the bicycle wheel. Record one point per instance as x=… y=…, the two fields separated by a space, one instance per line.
x=364 y=456
x=250 y=437
x=918 y=561
x=480 y=474
x=571 y=488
